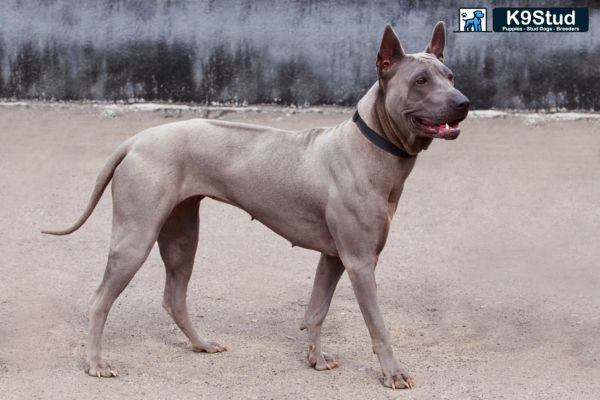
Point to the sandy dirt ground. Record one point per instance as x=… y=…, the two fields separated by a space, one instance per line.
x=490 y=281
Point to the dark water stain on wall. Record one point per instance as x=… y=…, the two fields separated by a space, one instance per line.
x=267 y=51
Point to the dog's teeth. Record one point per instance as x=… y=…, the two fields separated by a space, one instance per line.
x=447 y=126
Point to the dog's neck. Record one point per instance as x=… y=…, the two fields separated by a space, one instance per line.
x=371 y=108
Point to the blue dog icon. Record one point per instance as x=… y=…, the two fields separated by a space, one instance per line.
x=474 y=24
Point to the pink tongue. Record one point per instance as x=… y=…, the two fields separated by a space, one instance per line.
x=441 y=128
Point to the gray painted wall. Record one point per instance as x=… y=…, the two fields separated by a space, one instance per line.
x=264 y=51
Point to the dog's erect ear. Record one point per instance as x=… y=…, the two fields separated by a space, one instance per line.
x=390 y=50
x=438 y=41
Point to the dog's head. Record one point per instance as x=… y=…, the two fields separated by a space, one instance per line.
x=478 y=14
x=418 y=89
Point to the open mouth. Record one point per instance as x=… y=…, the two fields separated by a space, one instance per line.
x=443 y=130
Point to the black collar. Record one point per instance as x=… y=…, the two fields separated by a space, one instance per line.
x=377 y=139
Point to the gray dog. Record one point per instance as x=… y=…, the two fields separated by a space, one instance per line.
x=332 y=190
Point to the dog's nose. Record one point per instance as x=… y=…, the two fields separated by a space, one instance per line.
x=460 y=102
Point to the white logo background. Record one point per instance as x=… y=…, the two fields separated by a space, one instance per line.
x=466 y=14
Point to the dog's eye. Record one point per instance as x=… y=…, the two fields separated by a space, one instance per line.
x=421 y=81
x=451 y=77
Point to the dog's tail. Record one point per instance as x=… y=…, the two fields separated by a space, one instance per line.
x=104 y=177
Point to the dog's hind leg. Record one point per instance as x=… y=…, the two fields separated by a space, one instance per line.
x=328 y=274
x=140 y=206
x=177 y=242
x=130 y=246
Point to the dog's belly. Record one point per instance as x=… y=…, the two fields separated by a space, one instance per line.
x=307 y=232
x=302 y=227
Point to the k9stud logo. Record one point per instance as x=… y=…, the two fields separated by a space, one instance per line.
x=528 y=19
x=524 y=19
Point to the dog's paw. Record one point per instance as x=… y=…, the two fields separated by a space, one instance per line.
x=399 y=381
x=209 y=347
x=100 y=369
x=320 y=361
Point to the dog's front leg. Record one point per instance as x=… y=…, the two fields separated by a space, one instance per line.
x=329 y=271
x=362 y=276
